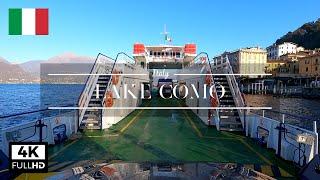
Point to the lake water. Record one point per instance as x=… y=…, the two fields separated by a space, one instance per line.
x=297 y=111
x=19 y=98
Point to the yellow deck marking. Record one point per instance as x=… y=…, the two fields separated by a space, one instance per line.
x=222 y=138
x=108 y=135
x=256 y=152
x=284 y=173
x=132 y=120
x=122 y=130
x=192 y=124
x=64 y=148
x=266 y=169
x=51 y=162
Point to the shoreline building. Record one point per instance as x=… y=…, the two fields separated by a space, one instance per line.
x=309 y=66
x=303 y=64
x=251 y=60
x=276 y=51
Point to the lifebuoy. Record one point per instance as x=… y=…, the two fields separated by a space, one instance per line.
x=244 y=99
x=208 y=79
x=214 y=101
x=115 y=77
x=109 y=99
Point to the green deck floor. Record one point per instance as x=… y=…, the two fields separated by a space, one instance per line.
x=157 y=136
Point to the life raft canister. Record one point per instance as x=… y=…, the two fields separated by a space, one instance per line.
x=109 y=99
x=208 y=79
x=115 y=77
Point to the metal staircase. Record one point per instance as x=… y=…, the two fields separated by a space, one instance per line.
x=92 y=117
x=90 y=101
x=230 y=119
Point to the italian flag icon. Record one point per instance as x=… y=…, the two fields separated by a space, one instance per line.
x=28 y=21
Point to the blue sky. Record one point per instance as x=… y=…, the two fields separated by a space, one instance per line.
x=87 y=27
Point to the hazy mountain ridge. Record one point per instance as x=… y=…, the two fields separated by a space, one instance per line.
x=308 y=35
x=29 y=71
x=12 y=73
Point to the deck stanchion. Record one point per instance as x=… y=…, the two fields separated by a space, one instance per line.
x=316 y=142
x=280 y=128
x=245 y=121
x=40 y=125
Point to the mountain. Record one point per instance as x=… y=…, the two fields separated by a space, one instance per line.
x=12 y=73
x=34 y=67
x=70 y=58
x=308 y=35
x=30 y=71
x=2 y=60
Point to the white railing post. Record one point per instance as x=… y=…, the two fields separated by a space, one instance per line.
x=316 y=142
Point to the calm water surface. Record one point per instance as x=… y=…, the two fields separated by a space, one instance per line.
x=18 y=98
x=297 y=111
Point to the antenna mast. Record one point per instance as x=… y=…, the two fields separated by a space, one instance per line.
x=166 y=35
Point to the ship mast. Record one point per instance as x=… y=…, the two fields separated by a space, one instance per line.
x=167 y=39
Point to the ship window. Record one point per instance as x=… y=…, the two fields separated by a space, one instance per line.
x=306 y=69
x=178 y=54
x=150 y=53
x=162 y=54
x=167 y=53
x=174 y=54
x=158 y=53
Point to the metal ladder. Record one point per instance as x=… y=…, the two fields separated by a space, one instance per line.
x=91 y=102
x=230 y=119
x=90 y=118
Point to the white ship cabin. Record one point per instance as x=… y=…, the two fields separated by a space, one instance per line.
x=163 y=56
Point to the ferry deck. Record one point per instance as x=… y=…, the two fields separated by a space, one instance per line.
x=143 y=132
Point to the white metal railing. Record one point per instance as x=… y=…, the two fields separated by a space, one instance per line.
x=123 y=59
x=102 y=65
x=29 y=132
x=223 y=65
x=235 y=90
x=289 y=145
x=205 y=60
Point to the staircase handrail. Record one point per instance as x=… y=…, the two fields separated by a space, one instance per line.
x=235 y=85
x=89 y=86
x=212 y=80
x=112 y=69
x=226 y=67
